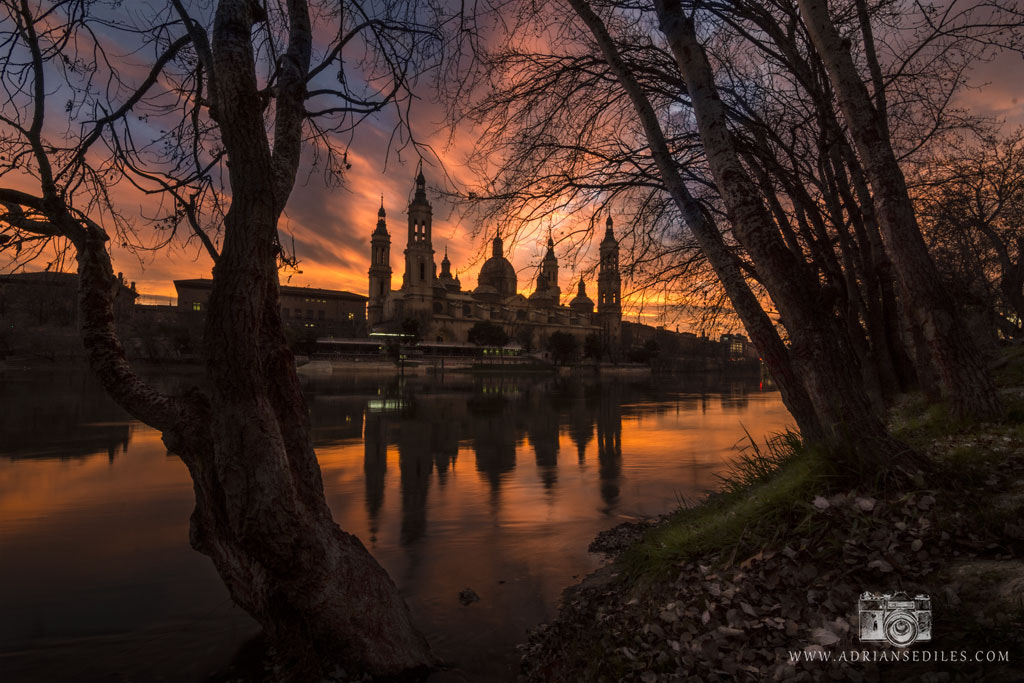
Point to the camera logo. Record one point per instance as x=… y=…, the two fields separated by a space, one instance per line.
x=895 y=618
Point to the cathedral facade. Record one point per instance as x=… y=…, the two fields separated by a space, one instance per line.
x=444 y=312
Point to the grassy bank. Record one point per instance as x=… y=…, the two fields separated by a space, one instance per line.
x=775 y=563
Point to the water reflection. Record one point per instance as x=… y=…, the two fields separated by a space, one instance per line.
x=493 y=483
x=57 y=424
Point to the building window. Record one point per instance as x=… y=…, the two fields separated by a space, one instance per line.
x=467 y=311
x=309 y=314
x=197 y=306
x=321 y=315
x=423 y=271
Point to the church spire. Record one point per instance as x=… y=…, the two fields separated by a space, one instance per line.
x=419 y=252
x=380 y=269
x=582 y=303
x=421 y=183
x=381 y=229
x=609 y=287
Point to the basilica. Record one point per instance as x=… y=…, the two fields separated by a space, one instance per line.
x=444 y=312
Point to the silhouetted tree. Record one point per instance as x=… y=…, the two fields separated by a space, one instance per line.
x=563 y=347
x=972 y=208
x=485 y=333
x=217 y=123
x=592 y=347
x=954 y=355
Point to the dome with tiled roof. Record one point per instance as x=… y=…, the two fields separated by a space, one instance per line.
x=497 y=272
x=581 y=302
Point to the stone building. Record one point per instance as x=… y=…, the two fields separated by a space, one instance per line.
x=306 y=310
x=444 y=312
x=50 y=299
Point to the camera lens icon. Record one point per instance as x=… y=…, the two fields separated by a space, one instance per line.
x=895 y=618
x=901 y=628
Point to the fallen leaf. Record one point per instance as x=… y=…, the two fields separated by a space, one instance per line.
x=866 y=504
x=822 y=636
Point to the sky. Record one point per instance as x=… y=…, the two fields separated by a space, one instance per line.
x=330 y=226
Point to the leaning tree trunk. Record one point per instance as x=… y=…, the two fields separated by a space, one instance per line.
x=961 y=372
x=856 y=436
x=725 y=264
x=260 y=511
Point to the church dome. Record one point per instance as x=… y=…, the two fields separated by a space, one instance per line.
x=497 y=272
x=581 y=302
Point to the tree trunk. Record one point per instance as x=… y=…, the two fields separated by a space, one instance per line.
x=261 y=514
x=960 y=368
x=902 y=363
x=856 y=436
x=725 y=264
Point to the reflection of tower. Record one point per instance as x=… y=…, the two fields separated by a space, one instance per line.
x=581 y=424
x=419 y=253
x=380 y=269
x=609 y=289
x=542 y=429
x=441 y=416
x=494 y=440
x=415 y=465
x=609 y=445
x=428 y=440
x=375 y=465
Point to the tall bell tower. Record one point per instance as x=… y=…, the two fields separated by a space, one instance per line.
x=609 y=289
x=548 y=280
x=380 y=269
x=419 y=253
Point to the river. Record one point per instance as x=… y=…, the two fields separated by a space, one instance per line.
x=496 y=484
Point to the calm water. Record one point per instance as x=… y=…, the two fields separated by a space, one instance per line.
x=494 y=484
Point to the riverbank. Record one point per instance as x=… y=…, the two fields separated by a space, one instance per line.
x=762 y=581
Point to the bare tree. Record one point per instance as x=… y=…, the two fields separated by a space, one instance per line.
x=240 y=92
x=955 y=357
x=852 y=429
x=972 y=211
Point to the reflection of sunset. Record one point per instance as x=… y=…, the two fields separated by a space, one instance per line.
x=39 y=490
x=426 y=474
